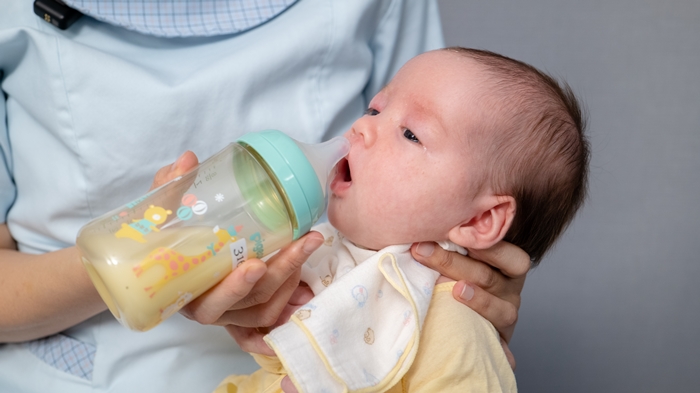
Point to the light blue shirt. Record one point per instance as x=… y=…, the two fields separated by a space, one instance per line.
x=91 y=113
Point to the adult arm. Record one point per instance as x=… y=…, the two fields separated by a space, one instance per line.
x=42 y=294
x=45 y=294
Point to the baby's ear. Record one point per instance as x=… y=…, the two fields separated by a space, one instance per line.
x=487 y=227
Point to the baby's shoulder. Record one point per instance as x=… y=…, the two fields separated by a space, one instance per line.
x=459 y=350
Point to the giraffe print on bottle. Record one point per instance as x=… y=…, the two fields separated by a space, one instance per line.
x=177 y=264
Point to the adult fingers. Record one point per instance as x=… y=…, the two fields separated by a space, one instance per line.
x=287 y=385
x=208 y=308
x=185 y=163
x=302 y=295
x=511 y=260
x=490 y=293
x=255 y=293
x=459 y=267
x=265 y=314
x=509 y=354
x=249 y=339
x=502 y=313
x=280 y=267
x=267 y=300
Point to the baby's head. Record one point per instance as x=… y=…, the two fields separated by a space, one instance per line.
x=463 y=145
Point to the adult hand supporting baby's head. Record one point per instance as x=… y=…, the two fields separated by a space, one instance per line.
x=489 y=281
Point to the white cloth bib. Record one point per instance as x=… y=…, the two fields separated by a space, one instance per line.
x=362 y=332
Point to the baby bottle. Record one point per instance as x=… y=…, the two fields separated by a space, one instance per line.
x=155 y=254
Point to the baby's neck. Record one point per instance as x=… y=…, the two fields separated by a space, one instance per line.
x=377 y=247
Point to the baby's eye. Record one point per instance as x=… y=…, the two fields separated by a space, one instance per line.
x=410 y=136
x=371 y=112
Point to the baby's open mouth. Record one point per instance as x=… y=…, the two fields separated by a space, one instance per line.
x=342 y=178
x=344 y=170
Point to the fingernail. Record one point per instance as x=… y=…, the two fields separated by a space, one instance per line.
x=467 y=293
x=311 y=244
x=425 y=249
x=175 y=164
x=186 y=313
x=253 y=275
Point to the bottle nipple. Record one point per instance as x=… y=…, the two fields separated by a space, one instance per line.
x=323 y=157
x=301 y=171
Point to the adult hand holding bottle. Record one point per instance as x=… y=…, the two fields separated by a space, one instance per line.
x=255 y=293
x=252 y=295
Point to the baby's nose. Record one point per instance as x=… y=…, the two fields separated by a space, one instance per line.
x=363 y=131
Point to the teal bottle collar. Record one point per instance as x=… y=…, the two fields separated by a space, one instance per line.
x=294 y=174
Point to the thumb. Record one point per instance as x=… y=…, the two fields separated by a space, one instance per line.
x=185 y=163
x=288 y=386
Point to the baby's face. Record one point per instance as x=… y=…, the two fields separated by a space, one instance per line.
x=407 y=176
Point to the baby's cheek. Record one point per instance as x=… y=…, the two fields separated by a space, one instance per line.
x=386 y=205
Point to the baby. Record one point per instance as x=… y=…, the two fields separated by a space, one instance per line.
x=463 y=147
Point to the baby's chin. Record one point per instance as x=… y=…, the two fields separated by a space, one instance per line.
x=367 y=244
x=356 y=236
x=362 y=236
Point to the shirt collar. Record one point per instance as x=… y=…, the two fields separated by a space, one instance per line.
x=183 y=18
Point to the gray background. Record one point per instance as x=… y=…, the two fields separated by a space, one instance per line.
x=616 y=306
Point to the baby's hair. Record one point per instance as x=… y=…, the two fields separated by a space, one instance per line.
x=534 y=149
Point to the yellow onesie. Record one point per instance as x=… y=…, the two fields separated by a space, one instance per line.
x=459 y=351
